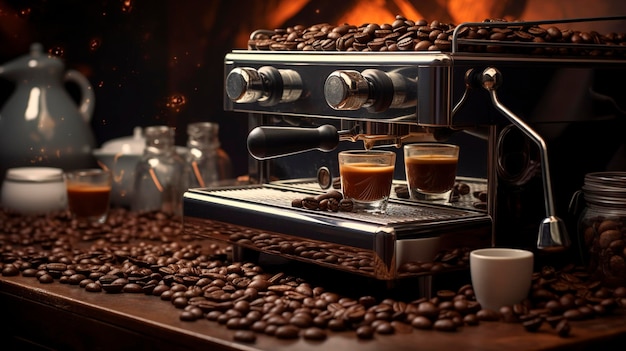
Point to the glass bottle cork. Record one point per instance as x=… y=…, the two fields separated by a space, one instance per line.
x=207 y=162
x=161 y=176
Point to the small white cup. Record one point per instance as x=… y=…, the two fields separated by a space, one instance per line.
x=501 y=276
x=34 y=190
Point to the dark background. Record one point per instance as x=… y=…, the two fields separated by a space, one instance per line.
x=161 y=61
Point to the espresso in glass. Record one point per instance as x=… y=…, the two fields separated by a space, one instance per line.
x=431 y=170
x=88 y=194
x=366 y=178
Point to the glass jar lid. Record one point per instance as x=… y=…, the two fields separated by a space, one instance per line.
x=605 y=188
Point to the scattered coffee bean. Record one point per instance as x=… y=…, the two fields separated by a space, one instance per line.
x=10 y=270
x=533 y=325
x=402 y=191
x=246 y=336
x=310 y=203
x=346 y=205
x=365 y=332
x=445 y=324
x=563 y=328
x=421 y=322
x=287 y=332
x=314 y=333
x=463 y=188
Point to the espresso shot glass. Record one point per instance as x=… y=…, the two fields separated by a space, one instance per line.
x=431 y=170
x=366 y=178
x=89 y=194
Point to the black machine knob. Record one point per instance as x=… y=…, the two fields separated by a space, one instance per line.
x=268 y=86
x=375 y=90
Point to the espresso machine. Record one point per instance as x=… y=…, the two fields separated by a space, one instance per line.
x=531 y=119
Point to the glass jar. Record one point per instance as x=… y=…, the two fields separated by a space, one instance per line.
x=207 y=162
x=602 y=226
x=161 y=176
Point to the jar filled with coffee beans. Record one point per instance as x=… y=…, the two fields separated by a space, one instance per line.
x=602 y=226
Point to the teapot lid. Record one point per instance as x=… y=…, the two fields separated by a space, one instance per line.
x=36 y=59
x=131 y=145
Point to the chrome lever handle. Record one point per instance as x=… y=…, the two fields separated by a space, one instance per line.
x=552 y=231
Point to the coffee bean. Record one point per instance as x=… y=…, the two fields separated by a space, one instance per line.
x=446 y=295
x=488 y=315
x=563 y=328
x=346 y=205
x=337 y=324
x=333 y=204
x=383 y=327
x=507 y=314
x=422 y=45
x=314 y=333
x=365 y=332
x=428 y=310
x=533 y=325
x=323 y=205
x=287 y=332
x=188 y=316
x=93 y=287
x=132 y=288
x=310 y=203
x=46 y=278
x=445 y=324
x=246 y=336
x=470 y=319
x=554 y=320
x=573 y=314
x=422 y=322
x=10 y=271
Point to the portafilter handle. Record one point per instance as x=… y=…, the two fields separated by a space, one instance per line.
x=267 y=142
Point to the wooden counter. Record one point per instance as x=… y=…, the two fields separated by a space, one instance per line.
x=40 y=316
x=62 y=316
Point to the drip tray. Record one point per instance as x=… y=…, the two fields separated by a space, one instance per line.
x=410 y=239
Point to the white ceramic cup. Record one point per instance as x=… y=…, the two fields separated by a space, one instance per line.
x=34 y=190
x=501 y=276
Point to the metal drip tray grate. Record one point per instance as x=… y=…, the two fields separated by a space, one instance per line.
x=397 y=212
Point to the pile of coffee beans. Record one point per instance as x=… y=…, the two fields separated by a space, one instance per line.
x=330 y=201
x=404 y=34
x=149 y=254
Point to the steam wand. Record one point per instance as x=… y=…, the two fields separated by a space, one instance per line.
x=552 y=231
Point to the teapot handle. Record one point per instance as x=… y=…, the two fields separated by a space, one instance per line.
x=87 y=100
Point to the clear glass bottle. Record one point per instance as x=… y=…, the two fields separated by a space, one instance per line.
x=602 y=226
x=161 y=176
x=207 y=162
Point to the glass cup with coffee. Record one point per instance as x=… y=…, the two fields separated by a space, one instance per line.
x=88 y=194
x=366 y=178
x=431 y=170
